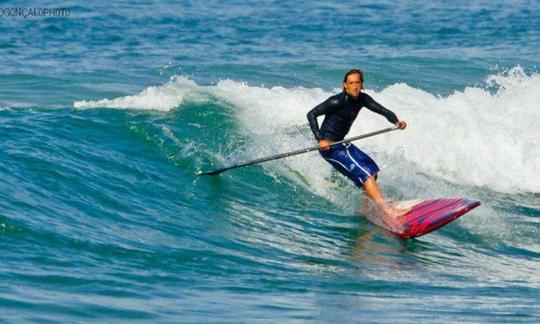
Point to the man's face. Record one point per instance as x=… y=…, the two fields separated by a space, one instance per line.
x=353 y=85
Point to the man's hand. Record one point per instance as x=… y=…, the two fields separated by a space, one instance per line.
x=324 y=144
x=400 y=124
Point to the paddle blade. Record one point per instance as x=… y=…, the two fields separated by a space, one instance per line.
x=215 y=172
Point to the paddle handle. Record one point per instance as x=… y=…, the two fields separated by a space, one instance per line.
x=301 y=151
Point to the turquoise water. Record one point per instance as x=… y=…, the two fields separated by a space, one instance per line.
x=107 y=115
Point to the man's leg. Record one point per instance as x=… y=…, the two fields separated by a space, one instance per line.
x=372 y=190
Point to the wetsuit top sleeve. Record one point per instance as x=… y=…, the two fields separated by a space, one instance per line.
x=374 y=106
x=322 y=109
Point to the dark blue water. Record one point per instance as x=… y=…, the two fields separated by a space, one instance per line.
x=106 y=115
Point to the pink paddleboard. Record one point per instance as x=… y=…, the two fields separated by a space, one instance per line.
x=424 y=216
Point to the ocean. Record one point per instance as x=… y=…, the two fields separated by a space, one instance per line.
x=109 y=109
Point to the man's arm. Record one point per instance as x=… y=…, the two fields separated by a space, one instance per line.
x=319 y=110
x=374 y=106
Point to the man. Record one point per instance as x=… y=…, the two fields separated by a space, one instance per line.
x=340 y=112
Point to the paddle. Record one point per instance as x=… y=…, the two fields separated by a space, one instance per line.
x=283 y=155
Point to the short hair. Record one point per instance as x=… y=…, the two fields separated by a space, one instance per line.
x=353 y=71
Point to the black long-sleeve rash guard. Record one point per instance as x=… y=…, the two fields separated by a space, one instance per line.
x=340 y=112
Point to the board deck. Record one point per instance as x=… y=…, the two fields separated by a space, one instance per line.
x=426 y=215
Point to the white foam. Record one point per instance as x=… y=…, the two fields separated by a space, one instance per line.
x=275 y=120
x=163 y=98
x=473 y=137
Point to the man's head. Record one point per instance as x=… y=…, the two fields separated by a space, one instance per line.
x=353 y=82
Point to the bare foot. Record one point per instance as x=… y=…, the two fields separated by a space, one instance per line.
x=390 y=212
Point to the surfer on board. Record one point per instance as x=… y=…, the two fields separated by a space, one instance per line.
x=340 y=111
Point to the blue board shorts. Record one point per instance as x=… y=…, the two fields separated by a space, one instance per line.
x=350 y=161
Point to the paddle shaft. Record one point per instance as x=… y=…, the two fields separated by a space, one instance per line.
x=301 y=151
